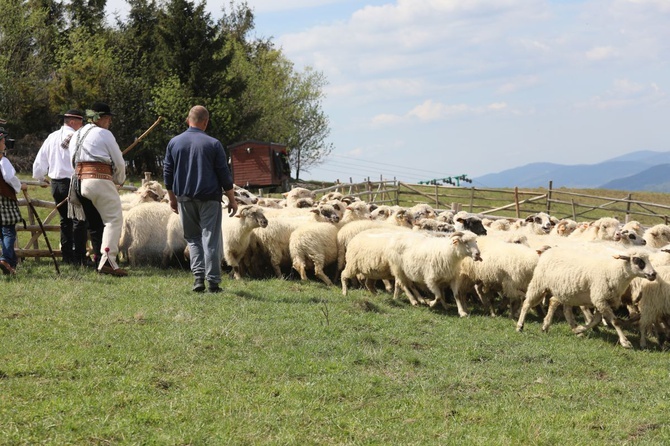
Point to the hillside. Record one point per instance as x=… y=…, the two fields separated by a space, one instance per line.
x=636 y=171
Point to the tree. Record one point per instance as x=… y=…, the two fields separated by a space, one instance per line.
x=311 y=126
x=28 y=30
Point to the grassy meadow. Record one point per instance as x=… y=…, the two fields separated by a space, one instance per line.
x=92 y=359
x=87 y=359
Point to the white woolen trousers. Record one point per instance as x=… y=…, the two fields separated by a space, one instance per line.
x=105 y=197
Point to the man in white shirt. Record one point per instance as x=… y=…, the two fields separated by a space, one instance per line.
x=100 y=168
x=54 y=161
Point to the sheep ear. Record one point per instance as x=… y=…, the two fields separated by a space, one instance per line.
x=665 y=250
x=622 y=257
x=530 y=219
x=314 y=210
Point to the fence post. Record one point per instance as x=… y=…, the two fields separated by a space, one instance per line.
x=437 y=196
x=472 y=199
x=629 y=197
x=551 y=184
x=516 y=202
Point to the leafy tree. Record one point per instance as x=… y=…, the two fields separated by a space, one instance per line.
x=27 y=30
x=310 y=124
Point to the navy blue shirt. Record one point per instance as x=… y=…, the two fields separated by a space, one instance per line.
x=196 y=166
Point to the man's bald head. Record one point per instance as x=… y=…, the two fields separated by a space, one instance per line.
x=198 y=117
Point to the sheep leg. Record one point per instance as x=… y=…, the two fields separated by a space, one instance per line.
x=387 y=285
x=533 y=297
x=609 y=316
x=299 y=266
x=318 y=271
x=370 y=285
x=343 y=280
x=553 y=305
x=484 y=298
x=459 y=297
x=236 y=272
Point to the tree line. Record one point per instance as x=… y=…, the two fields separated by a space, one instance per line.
x=160 y=60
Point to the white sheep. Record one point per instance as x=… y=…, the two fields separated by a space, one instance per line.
x=236 y=232
x=506 y=268
x=294 y=196
x=367 y=258
x=585 y=277
x=657 y=236
x=652 y=299
x=315 y=244
x=148 y=192
x=564 y=227
x=431 y=261
x=175 y=245
x=422 y=210
x=399 y=218
x=144 y=233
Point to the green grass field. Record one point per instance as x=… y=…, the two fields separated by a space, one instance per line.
x=91 y=359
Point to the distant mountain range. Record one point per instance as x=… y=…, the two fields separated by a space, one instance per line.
x=644 y=170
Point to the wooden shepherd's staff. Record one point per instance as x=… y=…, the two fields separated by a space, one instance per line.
x=141 y=137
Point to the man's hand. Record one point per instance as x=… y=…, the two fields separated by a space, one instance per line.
x=232 y=208
x=173 y=202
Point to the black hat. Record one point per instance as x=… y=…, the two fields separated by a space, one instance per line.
x=73 y=113
x=102 y=109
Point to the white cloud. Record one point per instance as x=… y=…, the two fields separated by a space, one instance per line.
x=601 y=53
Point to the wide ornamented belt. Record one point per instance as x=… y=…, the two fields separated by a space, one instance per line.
x=92 y=170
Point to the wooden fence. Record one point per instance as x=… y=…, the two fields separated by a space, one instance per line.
x=508 y=203
x=35 y=246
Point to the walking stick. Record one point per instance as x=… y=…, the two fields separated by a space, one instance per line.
x=44 y=233
x=141 y=137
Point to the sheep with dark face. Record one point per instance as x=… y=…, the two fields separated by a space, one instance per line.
x=464 y=221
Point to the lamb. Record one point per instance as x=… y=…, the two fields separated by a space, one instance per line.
x=432 y=261
x=586 y=277
x=315 y=244
x=273 y=203
x=236 y=232
x=144 y=233
x=657 y=236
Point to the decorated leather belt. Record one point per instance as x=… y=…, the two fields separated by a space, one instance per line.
x=91 y=170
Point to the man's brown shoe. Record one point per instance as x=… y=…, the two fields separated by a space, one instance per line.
x=7 y=268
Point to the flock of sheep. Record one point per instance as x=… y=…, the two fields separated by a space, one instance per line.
x=605 y=268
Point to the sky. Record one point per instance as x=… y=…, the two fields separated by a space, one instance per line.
x=426 y=89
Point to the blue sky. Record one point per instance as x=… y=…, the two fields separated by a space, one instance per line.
x=422 y=89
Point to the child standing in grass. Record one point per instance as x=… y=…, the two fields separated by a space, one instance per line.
x=10 y=214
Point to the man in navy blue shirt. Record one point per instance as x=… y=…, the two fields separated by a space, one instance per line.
x=196 y=175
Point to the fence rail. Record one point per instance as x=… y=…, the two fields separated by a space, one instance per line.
x=50 y=223
x=508 y=203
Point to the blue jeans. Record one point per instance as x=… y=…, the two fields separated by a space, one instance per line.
x=201 y=221
x=8 y=240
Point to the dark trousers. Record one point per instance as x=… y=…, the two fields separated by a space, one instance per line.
x=72 y=231
x=95 y=226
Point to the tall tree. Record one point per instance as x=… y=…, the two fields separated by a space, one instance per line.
x=27 y=30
